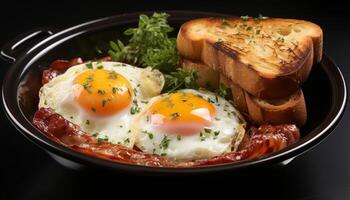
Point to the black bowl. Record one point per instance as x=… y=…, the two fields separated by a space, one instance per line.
x=325 y=91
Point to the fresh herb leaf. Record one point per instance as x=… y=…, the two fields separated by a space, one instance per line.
x=180 y=79
x=224 y=91
x=149 y=44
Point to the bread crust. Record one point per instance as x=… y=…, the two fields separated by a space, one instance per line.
x=280 y=80
x=291 y=109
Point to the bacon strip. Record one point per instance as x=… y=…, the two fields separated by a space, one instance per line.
x=58 y=67
x=259 y=142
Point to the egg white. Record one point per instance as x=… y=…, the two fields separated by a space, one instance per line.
x=228 y=122
x=58 y=95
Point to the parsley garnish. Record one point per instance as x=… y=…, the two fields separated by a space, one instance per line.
x=94 y=135
x=101 y=92
x=178 y=137
x=216 y=133
x=180 y=79
x=150 y=135
x=135 y=109
x=104 y=101
x=164 y=144
x=224 y=91
x=207 y=130
x=149 y=44
x=105 y=138
x=201 y=135
x=245 y=17
x=260 y=17
x=112 y=75
x=175 y=115
x=87 y=122
x=280 y=39
x=89 y=65
x=87 y=87
x=127 y=141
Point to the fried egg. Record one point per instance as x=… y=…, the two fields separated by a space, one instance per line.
x=102 y=98
x=189 y=125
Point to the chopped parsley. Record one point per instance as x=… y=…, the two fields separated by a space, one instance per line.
x=87 y=87
x=104 y=101
x=105 y=138
x=99 y=67
x=175 y=115
x=280 y=39
x=178 y=137
x=89 y=65
x=260 y=18
x=257 y=31
x=127 y=141
x=207 y=130
x=87 y=122
x=224 y=91
x=94 y=135
x=202 y=137
x=135 y=109
x=164 y=144
x=101 y=92
x=112 y=75
x=150 y=135
x=216 y=133
x=245 y=17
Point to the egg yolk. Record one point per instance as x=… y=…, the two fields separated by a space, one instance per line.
x=181 y=113
x=102 y=92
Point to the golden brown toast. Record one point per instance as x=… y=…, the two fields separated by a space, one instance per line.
x=291 y=109
x=268 y=58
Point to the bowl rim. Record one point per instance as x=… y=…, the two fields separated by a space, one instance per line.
x=18 y=119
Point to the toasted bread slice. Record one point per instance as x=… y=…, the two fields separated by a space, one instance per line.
x=291 y=109
x=268 y=58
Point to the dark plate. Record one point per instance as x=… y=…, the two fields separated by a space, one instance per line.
x=325 y=91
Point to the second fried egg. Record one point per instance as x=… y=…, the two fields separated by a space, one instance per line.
x=188 y=125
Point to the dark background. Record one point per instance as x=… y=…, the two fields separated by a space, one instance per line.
x=27 y=172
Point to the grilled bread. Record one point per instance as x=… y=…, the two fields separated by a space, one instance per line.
x=291 y=109
x=268 y=58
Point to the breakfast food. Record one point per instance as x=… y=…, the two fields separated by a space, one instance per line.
x=189 y=125
x=268 y=58
x=225 y=96
x=290 y=109
x=263 y=61
x=102 y=98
